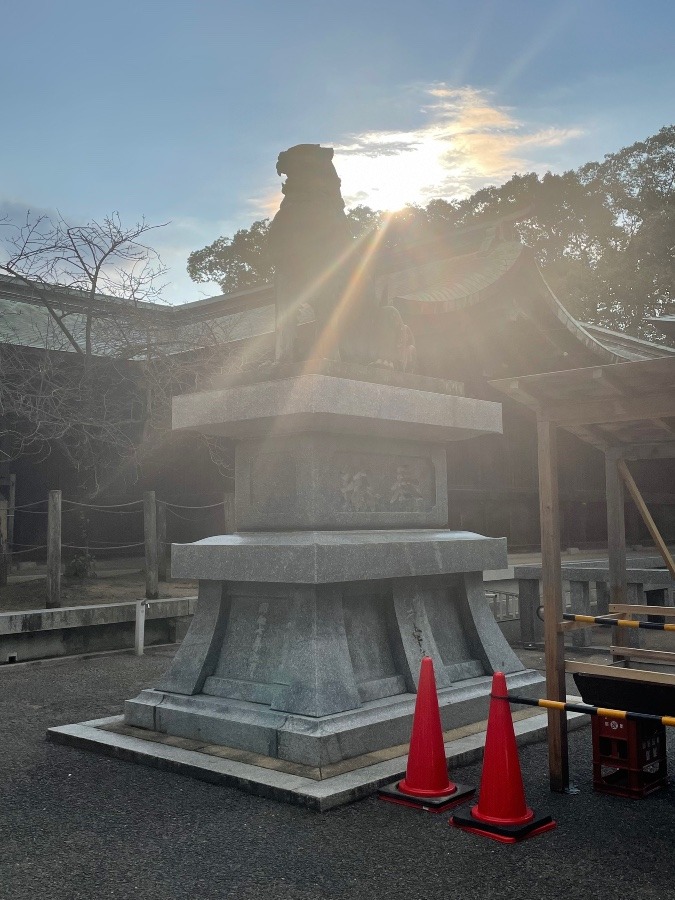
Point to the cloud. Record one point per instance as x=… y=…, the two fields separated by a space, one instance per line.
x=465 y=142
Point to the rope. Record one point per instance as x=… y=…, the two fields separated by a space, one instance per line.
x=183 y=518
x=118 y=547
x=103 y=509
x=178 y=505
x=26 y=505
x=29 y=550
x=624 y=623
x=112 y=512
x=102 y=543
x=108 y=506
x=589 y=710
x=17 y=544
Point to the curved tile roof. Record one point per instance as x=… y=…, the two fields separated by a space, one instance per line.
x=449 y=284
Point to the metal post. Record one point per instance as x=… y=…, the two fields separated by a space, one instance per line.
x=139 y=641
x=54 y=550
x=150 y=533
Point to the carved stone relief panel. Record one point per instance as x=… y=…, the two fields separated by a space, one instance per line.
x=380 y=482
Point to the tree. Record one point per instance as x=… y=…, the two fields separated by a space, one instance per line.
x=244 y=261
x=636 y=274
x=103 y=364
x=603 y=235
x=235 y=263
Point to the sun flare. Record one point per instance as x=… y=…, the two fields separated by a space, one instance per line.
x=465 y=142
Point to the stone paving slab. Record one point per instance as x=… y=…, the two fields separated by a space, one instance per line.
x=276 y=779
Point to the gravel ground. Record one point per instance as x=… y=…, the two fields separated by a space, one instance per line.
x=76 y=825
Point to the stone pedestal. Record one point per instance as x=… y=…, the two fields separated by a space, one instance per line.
x=312 y=619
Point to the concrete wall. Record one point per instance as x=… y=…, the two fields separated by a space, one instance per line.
x=47 y=633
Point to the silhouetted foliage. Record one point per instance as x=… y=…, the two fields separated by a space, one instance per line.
x=604 y=234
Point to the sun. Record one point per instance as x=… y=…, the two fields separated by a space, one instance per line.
x=392 y=179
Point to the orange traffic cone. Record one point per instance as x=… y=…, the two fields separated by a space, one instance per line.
x=501 y=812
x=426 y=784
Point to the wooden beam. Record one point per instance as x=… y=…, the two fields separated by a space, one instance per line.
x=591 y=434
x=644 y=675
x=651 y=450
x=646 y=516
x=660 y=657
x=608 y=409
x=643 y=609
x=551 y=579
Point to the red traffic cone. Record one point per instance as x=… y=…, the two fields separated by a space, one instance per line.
x=501 y=812
x=426 y=784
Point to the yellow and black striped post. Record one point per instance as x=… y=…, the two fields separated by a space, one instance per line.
x=589 y=710
x=624 y=623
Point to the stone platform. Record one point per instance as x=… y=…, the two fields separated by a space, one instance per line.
x=317 y=788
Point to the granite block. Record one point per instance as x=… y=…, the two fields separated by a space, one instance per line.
x=321 y=403
x=317 y=741
x=197 y=653
x=336 y=556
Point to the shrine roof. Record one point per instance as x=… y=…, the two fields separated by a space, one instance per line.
x=622 y=406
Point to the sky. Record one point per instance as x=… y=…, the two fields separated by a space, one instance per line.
x=176 y=110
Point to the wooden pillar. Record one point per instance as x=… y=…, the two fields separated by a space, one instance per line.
x=150 y=533
x=551 y=578
x=163 y=549
x=616 y=543
x=10 y=516
x=4 y=542
x=54 y=550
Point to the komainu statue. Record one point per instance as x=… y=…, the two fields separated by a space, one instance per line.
x=319 y=265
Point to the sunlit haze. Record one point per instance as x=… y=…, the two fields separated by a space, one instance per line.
x=184 y=122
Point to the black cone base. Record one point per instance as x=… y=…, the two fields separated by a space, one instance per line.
x=507 y=834
x=391 y=794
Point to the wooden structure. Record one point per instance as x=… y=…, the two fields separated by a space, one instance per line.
x=479 y=309
x=627 y=410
